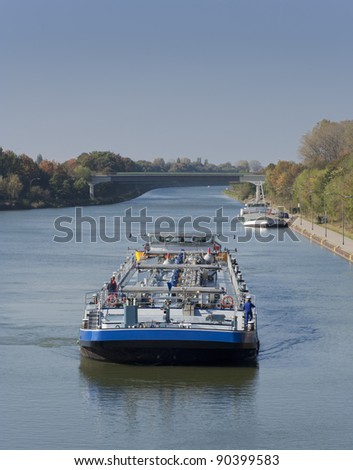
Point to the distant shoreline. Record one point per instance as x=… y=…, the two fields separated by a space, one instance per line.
x=83 y=203
x=100 y=201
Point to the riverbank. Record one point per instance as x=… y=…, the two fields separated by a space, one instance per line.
x=100 y=201
x=338 y=243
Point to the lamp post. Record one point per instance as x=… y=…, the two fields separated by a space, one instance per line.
x=33 y=179
x=325 y=211
x=30 y=187
x=325 y=215
x=311 y=209
x=299 y=205
x=343 y=199
x=285 y=191
x=300 y=212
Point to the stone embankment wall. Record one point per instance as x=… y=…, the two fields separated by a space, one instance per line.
x=338 y=249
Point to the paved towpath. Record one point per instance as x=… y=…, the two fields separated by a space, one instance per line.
x=329 y=239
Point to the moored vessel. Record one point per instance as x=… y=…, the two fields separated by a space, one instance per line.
x=179 y=301
x=259 y=213
x=263 y=221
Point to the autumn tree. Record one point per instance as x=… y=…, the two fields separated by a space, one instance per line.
x=49 y=167
x=280 y=179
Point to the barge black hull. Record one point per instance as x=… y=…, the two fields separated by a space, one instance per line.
x=172 y=354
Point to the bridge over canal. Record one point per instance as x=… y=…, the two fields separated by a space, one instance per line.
x=135 y=184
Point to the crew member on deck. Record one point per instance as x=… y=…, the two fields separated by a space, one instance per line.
x=248 y=306
x=112 y=287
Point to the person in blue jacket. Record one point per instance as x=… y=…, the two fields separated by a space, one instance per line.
x=248 y=306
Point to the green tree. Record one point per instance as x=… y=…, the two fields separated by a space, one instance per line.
x=61 y=185
x=81 y=188
x=8 y=162
x=28 y=170
x=3 y=191
x=106 y=162
x=159 y=164
x=324 y=144
x=13 y=187
x=82 y=172
x=255 y=166
x=242 y=166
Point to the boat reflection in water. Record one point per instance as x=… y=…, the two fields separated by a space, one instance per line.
x=143 y=399
x=108 y=375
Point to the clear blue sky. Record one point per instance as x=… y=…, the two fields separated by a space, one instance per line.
x=224 y=80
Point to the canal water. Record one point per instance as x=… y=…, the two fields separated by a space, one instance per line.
x=298 y=397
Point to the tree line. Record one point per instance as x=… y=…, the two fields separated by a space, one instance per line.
x=28 y=183
x=321 y=183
